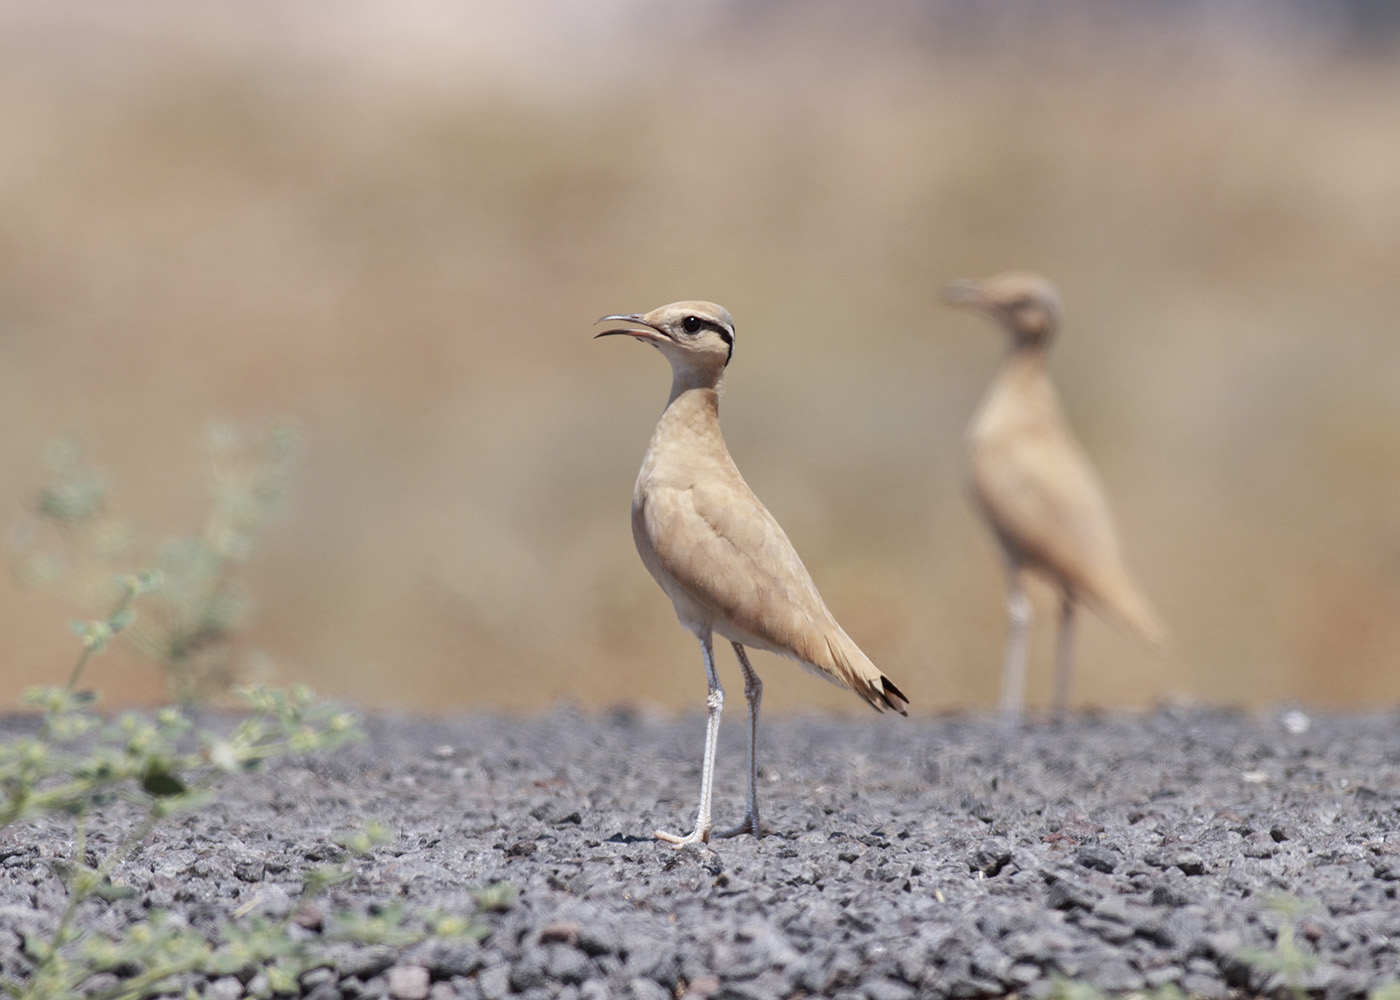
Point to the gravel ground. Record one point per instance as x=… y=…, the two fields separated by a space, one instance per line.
x=945 y=857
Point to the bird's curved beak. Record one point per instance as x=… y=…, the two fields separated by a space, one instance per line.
x=649 y=333
x=965 y=292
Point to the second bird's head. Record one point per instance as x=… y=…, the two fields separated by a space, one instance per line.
x=1025 y=304
x=692 y=335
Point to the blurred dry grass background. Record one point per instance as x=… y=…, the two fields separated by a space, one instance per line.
x=397 y=222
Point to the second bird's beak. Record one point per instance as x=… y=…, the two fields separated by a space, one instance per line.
x=650 y=333
x=965 y=292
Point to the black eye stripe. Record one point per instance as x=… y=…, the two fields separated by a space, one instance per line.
x=694 y=324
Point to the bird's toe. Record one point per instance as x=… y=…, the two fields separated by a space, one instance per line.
x=694 y=837
x=749 y=825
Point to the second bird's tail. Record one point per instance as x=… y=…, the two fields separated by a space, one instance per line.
x=1128 y=604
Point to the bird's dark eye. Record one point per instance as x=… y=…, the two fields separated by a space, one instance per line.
x=692 y=324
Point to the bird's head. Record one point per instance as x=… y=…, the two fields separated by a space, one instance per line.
x=696 y=337
x=1026 y=304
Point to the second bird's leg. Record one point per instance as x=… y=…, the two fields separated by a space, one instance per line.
x=714 y=704
x=1018 y=631
x=753 y=693
x=1064 y=658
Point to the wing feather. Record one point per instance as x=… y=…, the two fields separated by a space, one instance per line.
x=723 y=548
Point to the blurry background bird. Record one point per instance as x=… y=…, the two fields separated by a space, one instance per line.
x=387 y=221
x=1036 y=488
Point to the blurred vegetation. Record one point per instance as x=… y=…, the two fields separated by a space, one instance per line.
x=196 y=603
x=1290 y=960
x=402 y=232
x=128 y=775
x=78 y=767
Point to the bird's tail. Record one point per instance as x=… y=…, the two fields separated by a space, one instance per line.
x=1128 y=604
x=853 y=669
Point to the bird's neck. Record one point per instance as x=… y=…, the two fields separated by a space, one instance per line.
x=700 y=402
x=684 y=380
x=1022 y=375
x=1025 y=357
x=687 y=441
x=1021 y=392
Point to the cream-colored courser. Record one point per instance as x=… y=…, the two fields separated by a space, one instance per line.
x=1037 y=489
x=716 y=551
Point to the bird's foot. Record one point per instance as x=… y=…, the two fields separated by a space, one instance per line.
x=697 y=836
x=749 y=825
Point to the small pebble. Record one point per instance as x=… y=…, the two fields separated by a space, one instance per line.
x=408 y=982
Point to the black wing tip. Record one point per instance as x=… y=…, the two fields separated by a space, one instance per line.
x=893 y=696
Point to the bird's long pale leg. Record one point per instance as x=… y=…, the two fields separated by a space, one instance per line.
x=753 y=693
x=714 y=703
x=1018 y=632
x=1064 y=657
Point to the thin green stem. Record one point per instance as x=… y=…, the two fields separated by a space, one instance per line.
x=128 y=595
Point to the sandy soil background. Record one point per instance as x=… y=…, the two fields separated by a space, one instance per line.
x=395 y=223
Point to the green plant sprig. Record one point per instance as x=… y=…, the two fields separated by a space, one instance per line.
x=154 y=954
x=78 y=763
x=146 y=756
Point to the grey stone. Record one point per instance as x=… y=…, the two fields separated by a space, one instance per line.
x=1196 y=984
x=312 y=978
x=639 y=988
x=349 y=986
x=990 y=963
x=1335 y=982
x=566 y=965
x=808 y=974
x=1188 y=862
x=465 y=988
x=451 y=957
x=528 y=972
x=1101 y=859
x=1068 y=894
x=375 y=988
x=249 y=870
x=990 y=857
x=599 y=939
x=967 y=989
x=1163 y=975
x=741 y=990
x=367 y=962
x=1022 y=974
x=658 y=962
x=887 y=989
x=1260 y=845
x=408 y=982
x=494 y=982
x=1114 y=975
x=224 y=988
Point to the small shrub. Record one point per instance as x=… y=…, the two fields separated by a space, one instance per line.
x=71 y=539
x=181 y=612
